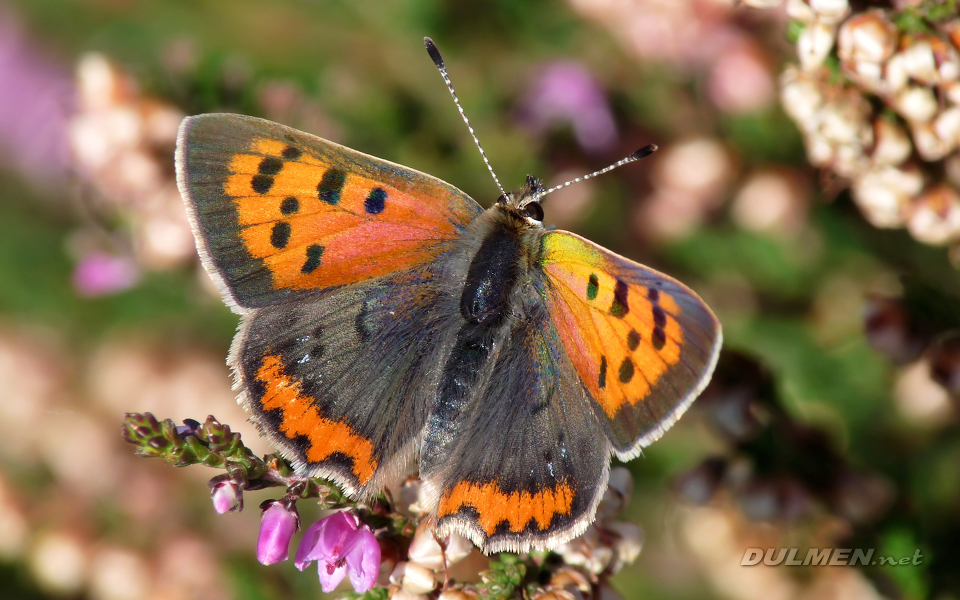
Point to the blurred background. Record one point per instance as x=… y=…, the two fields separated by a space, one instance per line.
x=806 y=187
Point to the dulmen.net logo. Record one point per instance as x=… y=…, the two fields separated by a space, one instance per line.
x=833 y=557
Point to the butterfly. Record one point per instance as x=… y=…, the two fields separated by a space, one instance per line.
x=387 y=319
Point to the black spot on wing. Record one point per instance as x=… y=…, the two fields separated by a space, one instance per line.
x=626 y=371
x=292 y=153
x=290 y=205
x=331 y=185
x=375 y=202
x=602 y=379
x=619 y=308
x=659 y=317
x=659 y=338
x=280 y=234
x=271 y=165
x=593 y=286
x=633 y=340
x=261 y=183
x=314 y=254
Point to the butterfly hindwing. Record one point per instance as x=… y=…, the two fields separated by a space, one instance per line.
x=278 y=213
x=524 y=463
x=643 y=344
x=341 y=381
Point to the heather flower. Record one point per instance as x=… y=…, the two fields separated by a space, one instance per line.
x=100 y=274
x=277 y=525
x=341 y=546
x=568 y=92
x=35 y=102
x=226 y=496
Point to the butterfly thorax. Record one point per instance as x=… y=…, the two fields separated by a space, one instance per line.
x=503 y=255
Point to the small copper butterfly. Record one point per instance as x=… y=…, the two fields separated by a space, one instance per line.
x=387 y=318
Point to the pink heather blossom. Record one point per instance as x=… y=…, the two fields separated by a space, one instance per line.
x=226 y=496
x=277 y=525
x=341 y=547
x=36 y=99
x=568 y=92
x=101 y=274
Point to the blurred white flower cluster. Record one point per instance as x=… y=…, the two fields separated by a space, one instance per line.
x=884 y=114
x=122 y=147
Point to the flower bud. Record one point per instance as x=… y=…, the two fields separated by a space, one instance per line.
x=799 y=10
x=830 y=11
x=800 y=96
x=934 y=217
x=278 y=523
x=868 y=37
x=414 y=578
x=883 y=194
x=457 y=548
x=627 y=545
x=938 y=138
x=918 y=61
x=425 y=550
x=226 y=496
x=916 y=104
x=891 y=146
x=814 y=44
x=570 y=580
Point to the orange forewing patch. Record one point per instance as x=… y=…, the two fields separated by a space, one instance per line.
x=518 y=508
x=609 y=332
x=301 y=418
x=349 y=239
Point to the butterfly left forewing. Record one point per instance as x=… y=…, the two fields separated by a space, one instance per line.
x=643 y=344
x=278 y=212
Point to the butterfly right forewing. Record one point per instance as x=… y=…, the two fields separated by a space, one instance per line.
x=643 y=344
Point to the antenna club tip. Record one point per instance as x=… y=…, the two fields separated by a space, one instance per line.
x=434 y=52
x=645 y=151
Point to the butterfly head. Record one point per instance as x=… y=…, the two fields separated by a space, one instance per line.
x=525 y=202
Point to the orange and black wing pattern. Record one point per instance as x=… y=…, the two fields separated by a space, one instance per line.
x=278 y=212
x=643 y=344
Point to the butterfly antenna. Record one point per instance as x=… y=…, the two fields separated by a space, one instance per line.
x=438 y=60
x=641 y=153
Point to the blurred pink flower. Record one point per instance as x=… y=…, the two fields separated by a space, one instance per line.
x=36 y=97
x=340 y=547
x=568 y=92
x=278 y=523
x=101 y=274
x=739 y=80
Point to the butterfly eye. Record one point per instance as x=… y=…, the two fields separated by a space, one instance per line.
x=534 y=211
x=502 y=199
